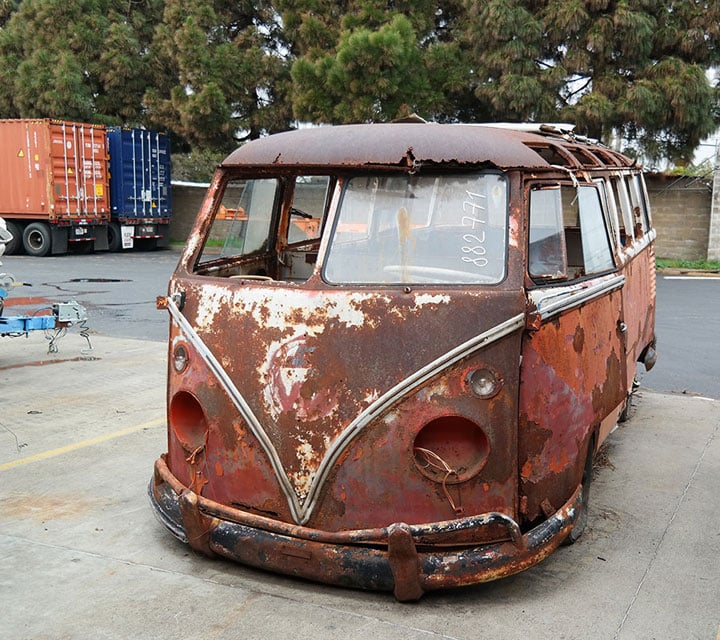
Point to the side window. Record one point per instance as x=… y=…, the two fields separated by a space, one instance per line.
x=597 y=256
x=308 y=207
x=625 y=219
x=546 y=251
x=641 y=222
x=243 y=223
x=610 y=205
x=568 y=234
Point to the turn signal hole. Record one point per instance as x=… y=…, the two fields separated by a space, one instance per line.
x=484 y=383
x=180 y=358
x=451 y=449
x=188 y=420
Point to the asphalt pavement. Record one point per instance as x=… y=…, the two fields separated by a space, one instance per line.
x=83 y=556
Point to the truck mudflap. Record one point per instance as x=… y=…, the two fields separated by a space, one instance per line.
x=405 y=559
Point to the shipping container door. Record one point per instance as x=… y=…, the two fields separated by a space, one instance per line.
x=79 y=168
x=141 y=162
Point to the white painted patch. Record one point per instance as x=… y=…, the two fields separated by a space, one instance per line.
x=514 y=235
x=212 y=299
x=427 y=298
x=371 y=397
x=309 y=460
x=275 y=311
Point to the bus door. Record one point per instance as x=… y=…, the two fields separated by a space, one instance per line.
x=573 y=359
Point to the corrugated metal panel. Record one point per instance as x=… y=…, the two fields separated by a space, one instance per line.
x=140 y=173
x=53 y=170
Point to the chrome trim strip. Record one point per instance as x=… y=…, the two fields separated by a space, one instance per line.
x=301 y=512
x=554 y=302
x=242 y=406
x=403 y=388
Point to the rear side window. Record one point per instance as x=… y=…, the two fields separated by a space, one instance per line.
x=641 y=219
x=546 y=255
x=569 y=238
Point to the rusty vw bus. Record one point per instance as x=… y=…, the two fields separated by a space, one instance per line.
x=395 y=348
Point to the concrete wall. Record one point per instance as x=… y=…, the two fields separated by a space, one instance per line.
x=714 y=234
x=680 y=209
x=187 y=198
x=681 y=214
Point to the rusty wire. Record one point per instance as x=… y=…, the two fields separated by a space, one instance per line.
x=433 y=460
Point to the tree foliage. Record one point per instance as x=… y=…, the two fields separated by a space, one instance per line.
x=370 y=60
x=215 y=72
x=81 y=59
x=222 y=73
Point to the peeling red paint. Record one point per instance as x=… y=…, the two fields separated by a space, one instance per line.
x=403 y=437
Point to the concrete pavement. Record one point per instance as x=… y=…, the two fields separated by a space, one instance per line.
x=82 y=555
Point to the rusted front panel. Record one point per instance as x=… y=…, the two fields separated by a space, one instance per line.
x=310 y=366
x=572 y=377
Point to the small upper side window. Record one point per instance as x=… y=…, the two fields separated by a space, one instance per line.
x=308 y=208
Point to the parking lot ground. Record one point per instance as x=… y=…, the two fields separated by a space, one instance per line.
x=83 y=556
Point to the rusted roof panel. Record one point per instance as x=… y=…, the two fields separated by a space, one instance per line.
x=393 y=144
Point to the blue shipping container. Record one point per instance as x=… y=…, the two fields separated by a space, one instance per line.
x=140 y=201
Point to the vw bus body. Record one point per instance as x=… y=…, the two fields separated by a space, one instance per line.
x=395 y=348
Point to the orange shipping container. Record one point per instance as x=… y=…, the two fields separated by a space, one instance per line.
x=54 y=172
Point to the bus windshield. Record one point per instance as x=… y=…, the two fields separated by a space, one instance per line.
x=410 y=229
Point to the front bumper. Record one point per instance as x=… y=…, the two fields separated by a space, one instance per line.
x=401 y=558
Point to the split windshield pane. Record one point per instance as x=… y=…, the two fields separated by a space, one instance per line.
x=446 y=229
x=242 y=224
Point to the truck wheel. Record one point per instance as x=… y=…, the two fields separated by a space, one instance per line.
x=114 y=237
x=15 y=245
x=37 y=239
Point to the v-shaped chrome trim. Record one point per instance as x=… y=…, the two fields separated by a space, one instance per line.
x=301 y=511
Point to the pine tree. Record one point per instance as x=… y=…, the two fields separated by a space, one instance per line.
x=369 y=60
x=216 y=72
x=637 y=69
x=619 y=69
x=221 y=72
x=75 y=59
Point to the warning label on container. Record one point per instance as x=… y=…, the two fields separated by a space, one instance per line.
x=21 y=154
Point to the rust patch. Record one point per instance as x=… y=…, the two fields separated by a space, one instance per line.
x=579 y=339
